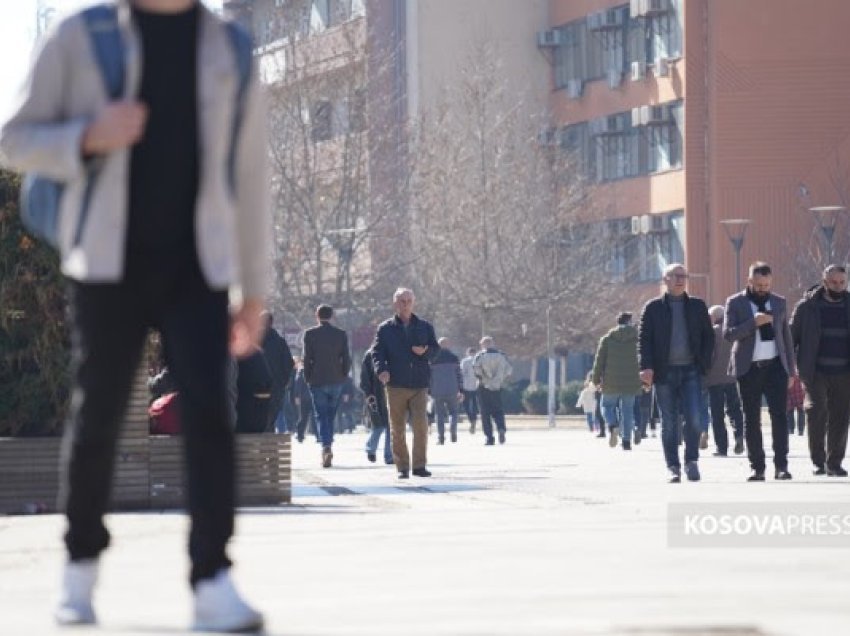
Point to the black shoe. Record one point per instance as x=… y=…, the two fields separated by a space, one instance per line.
x=838 y=471
x=601 y=434
x=371 y=457
x=490 y=442
x=501 y=437
x=627 y=445
x=327 y=457
x=719 y=453
x=421 y=472
x=300 y=439
x=758 y=475
x=739 y=446
x=454 y=438
x=819 y=470
x=441 y=441
x=389 y=462
x=674 y=475
x=692 y=471
x=782 y=474
x=403 y=474
x=638 y=439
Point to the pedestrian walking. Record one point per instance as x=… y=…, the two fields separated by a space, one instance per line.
x=404 y=345
x=326 y=366
x=723 y=390
x=674 y=347
x=375 y=401
x=492 y=370
x=163 y=211
x=446 y=383
x=280 y=364
x=820 y=327
x=615 y=371
x=762 y=360
x=587 y=403
x=470 y=388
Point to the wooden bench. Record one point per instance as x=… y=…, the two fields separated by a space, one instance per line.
x=148 y=468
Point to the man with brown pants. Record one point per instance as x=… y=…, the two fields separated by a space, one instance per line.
x=403 y=348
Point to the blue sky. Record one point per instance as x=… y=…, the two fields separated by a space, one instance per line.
x=17 y=34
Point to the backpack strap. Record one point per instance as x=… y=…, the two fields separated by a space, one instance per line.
x=243 y=50
x=108 y=47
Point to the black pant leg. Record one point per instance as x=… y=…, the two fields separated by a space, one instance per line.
x=839 y=413
x=486 y=412
x=750 y=385
x=107 y=335
x=776 y=394
x=195 y=331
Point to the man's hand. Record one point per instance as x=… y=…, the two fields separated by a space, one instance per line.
x=419 y=350
x=460 y=396
x=246 y=328
x=118 y=126
x=646 y=376
x=763 y=318
x=384 y=377
x=791 y=379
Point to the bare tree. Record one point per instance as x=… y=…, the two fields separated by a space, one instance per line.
x=505 y=225
x=326 y=222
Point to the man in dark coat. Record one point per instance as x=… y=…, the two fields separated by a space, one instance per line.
x=675 y=345
x=280 y=365
x=404 y=345
x=326 y=365
x=820 y=328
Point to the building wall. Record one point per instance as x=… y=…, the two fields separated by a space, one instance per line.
x=441 y=35
x=778 y=93
x=764 y=113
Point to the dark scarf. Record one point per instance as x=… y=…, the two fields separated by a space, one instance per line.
x=766 y=330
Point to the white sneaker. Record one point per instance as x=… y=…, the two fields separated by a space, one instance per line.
x=219 y=608
x=78 y=581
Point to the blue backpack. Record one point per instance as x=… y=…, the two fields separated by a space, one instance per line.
x=41 y=197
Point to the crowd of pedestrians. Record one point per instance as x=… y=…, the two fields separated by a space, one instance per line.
x=699 y=366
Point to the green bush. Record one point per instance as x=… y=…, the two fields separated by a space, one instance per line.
x=512 y=397
x=568 y=396
x=34 y=347
x=535 y=399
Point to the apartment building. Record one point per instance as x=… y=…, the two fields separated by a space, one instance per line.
x=687 y=113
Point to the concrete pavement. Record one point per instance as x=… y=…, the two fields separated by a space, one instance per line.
x=553 y=533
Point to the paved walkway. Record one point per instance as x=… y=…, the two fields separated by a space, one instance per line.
x=553 y=533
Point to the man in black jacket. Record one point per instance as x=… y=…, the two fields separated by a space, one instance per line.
x=404 y=345
x=675 y=345
x=326 y=365
x=820 y=329
x=280 y=363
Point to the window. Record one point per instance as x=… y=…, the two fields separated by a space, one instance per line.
x=320 y=15
x=321 y=121
x=611 y=148
x=663 y=36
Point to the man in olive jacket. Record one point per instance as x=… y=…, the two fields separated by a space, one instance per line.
x=615 y=369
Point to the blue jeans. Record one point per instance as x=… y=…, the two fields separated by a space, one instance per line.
x=590 y=420
x=375 y=437
x=680 y=394
x=447 y=409
x=325 y=404
x=280 y=425
x=619 y=410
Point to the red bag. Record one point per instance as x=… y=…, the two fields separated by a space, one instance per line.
x=165 y=415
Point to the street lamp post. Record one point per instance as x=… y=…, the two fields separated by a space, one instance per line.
x=827 y=217
x=550 y=402
x=736 y=230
